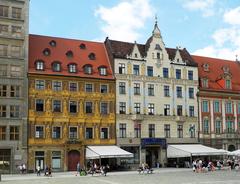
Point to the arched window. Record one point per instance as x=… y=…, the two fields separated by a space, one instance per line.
x=87 y=69
x=82 y=46
x=72 y=68
x=56 y=66
x=92 y=56
x=53 y=43
x=102 y=70
x=69 y=54
x=39 y=65
x=46 y=52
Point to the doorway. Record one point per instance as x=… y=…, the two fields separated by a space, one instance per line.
x=73 y=159
x=231 y=148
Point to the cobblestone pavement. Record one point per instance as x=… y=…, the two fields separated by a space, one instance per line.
x=160 y=176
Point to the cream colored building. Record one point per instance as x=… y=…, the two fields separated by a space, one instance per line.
x=156 y=101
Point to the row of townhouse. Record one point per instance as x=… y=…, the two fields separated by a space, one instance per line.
x=58 y=96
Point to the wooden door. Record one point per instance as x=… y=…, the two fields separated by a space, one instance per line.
x=73 y=159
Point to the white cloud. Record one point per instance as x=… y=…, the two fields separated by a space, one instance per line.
x=123 y=21
x=205 y=6
x=232 y=16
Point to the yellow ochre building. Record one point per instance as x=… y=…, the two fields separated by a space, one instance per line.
x=71 y=101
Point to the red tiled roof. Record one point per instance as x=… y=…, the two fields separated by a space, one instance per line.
x=80 y=57
x=215 y=75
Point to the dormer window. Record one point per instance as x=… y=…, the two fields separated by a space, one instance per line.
x=82 y=46
x=72 y=68
x=69 y=54
x=53 y=43
x=158 y=55
x=92 y=56
x=225 y=69
x=39 y=65
x=205 y=83
x=206 y=67
x=102 y=70
x=56 y=66
x=87 y=69
x=46 y=52
x=157 y=47
x=228 y=84
x=136 y=55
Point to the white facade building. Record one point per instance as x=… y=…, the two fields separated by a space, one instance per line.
x=156 y=101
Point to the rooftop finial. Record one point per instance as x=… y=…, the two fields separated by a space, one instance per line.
x=156 y=19
x=236 y=57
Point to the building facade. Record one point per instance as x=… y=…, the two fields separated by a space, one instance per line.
x=156 y=101
x=219 y=103
x=71 y=101
x=13 y=84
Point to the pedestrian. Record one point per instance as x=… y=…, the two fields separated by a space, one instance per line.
x=78 y=169
x=46 y=173
x=21 y=169
x=38 y=170
x=50 y=171
x=24 y=169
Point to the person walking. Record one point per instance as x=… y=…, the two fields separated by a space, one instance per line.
x=38 y=170
x=78 y=169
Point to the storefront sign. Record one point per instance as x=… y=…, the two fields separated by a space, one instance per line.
x=154 y=141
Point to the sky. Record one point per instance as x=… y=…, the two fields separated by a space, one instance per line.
x=204 y=27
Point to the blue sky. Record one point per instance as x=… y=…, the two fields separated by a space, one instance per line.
x=204 y=27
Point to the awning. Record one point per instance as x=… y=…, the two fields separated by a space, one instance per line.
x=188 y=150
x=95 y=152
x=234 y=153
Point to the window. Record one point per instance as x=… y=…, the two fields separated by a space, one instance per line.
x=179 y=110
x=3 y=90
x=121 y=68
x=53 y=43
x=122 y=88
x=151 y=130
x=151 y=109
x=15 y=91
x=228 y=84
x=158 y=55
x=166 y=110
x=137 y=130
x=56 y=132
x=69 y=54
x=104 y=88
x=88 y=87
x=205 y=83
x=16 y=31
x=192 y=131
x=150 y=89
x=87 y=69
x=3 y=29
x=238 y=108
x=137 y=108
x=73 y=86
x=14 y=132
x=165 y=73
x=39 y=65
x=56 y=67
x=179 y=92
x=39 y=132
x=135 y=69
x=16 y=13
x=229 y=126
x=89 y=133
x=14 y=111
x=3 y=70
x=191 y=111
x=122 y=107
x=150 y=71
x=72 y=106
x=216 y=106
x=46 y=52
x=218 y=127
x=167 y=131
x=39 y=105
x=15 y=51
x=122 y=130
x=2 y=133
x=190 y=75
x=205 y=126
x=40 y=84
x=89 y=107
x=4 y=11
x=103 y=71
x=57 y=85
x=92 y=56
x=82 y=46
x=73 y=133
x=3 y=111
x=205 y=106
x=56 y=159
x=57 y=105
x=136 y=89
x=178 y=74
x=104 y=108
x=15 y=71
x=166 y=91
x=191 y=93
x=104 y=133
x=228 y=107
x=180 y=131
x=3 y=50
x=72 y=68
